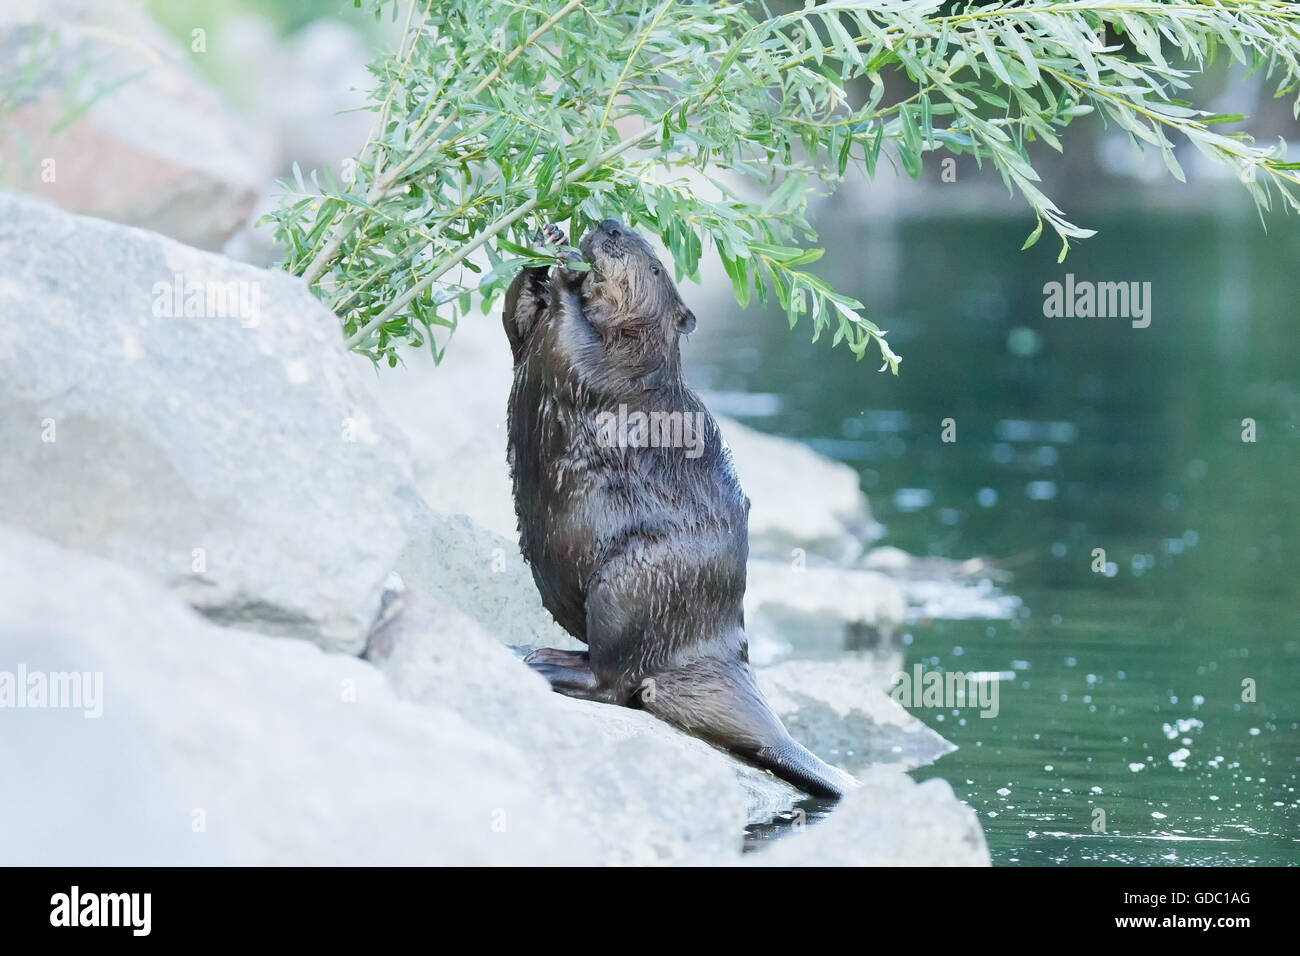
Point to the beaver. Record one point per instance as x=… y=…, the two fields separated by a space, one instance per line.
x=637 y=545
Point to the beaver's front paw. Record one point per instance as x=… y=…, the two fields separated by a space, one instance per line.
x=553 y=235
x=569 y=264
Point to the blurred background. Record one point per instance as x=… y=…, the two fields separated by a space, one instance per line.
x=1120 y=690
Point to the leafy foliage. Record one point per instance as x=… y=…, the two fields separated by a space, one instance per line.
x=497 y=115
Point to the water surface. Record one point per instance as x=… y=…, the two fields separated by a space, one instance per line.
x=1122 y=691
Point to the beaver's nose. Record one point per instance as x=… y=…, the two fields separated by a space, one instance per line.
x=613 y=227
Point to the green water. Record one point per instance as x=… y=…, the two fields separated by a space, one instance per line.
x=1075 y=434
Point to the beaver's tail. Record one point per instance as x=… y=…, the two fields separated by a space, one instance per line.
x=720 y=702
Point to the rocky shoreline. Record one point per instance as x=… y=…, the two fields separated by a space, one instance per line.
x=209 y=510
x=289 y=579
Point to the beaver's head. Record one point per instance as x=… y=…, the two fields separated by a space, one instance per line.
x=628 y=295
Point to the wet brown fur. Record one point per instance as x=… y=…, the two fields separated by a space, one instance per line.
x=638 y=552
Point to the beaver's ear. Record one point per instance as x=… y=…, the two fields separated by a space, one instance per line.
x=685 y=321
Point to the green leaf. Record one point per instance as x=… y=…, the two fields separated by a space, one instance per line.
x=1219 y=118
x=1033 y=236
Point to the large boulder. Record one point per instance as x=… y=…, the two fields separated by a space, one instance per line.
x=476 y=571
x=890 y=821
x=841 y=707
x=800 y=501
x=113 y=120
x=211 y=745
x=817 y=608
x=219 y=746
x=659 y=795
x=196 y=419
x=454 y=418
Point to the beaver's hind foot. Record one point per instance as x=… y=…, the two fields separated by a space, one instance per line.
x=569 y=673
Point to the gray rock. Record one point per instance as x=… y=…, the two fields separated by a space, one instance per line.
x=477 y=572
x=841 y=709
x=820 y=609
x=460 y=458
x=157 y=148
x=234 y=457
x=214 y=745
x=891 y=821
x=799 y=499
x=659 y=795
x=278 y=753
x=217 y=745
